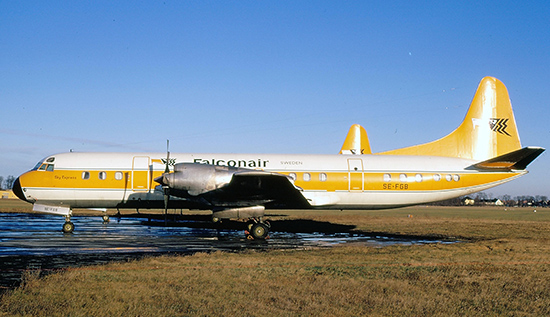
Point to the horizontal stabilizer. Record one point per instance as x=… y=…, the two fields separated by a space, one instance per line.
x=516 y=160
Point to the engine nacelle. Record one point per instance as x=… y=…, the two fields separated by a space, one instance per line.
x=239 y=213
x=197 y=178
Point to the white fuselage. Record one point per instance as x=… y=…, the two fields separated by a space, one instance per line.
x=119 y=180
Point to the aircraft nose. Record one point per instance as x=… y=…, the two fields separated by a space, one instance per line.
x=18 y=191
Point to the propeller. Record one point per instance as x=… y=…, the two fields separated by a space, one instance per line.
x=165 y=187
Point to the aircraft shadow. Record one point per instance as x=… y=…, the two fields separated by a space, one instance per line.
x=205 y=222
x=286 y=226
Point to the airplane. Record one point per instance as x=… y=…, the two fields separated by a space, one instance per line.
x=483 y=152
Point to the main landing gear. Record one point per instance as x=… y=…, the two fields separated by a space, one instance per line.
x=257 y=229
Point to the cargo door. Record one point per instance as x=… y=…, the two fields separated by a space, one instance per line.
x=140 y=173
x=355 y=174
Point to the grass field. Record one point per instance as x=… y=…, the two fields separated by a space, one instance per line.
x=501 y=268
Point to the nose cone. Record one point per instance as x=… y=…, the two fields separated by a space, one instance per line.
x=18 y=191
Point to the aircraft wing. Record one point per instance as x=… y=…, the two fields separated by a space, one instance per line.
x=272 y=189
x=229 y=187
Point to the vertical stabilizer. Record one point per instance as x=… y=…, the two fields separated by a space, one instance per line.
x=489 y=129
x=357 y=141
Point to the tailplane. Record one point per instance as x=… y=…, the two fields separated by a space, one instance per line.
x=489 y=129
x=517 y=160
x=357 y=141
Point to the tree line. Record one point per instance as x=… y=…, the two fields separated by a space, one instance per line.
x=7 y=183
x=482 y=198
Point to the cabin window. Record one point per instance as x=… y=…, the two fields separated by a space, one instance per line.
x=85 y=175
x=449 y=177
x=387 y=178
x=323 y=177
x=102 y=175
x=437 y=177
x=292 y=176
x=118 y=176
x=307 y=177
x=456 y=177
x=418 y=178
x=403 y=177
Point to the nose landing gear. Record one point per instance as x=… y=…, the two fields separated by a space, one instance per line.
x=68 y=226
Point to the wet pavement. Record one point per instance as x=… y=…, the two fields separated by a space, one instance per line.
x=35 y=242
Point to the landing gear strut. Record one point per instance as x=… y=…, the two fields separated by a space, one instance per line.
x=257 y=229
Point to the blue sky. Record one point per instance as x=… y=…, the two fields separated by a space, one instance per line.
x=263 y=76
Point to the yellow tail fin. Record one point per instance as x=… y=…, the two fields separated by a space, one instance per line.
x=489 y=129
x=357 y=141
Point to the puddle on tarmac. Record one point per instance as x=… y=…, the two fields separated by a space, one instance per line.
x=31 y=241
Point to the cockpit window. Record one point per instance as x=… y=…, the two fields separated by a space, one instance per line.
x=42 y=166
x=46 y=167
x=37 y=165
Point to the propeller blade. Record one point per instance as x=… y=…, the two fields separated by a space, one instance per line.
x=165 y=187
x=166 y=199
x=167 y=169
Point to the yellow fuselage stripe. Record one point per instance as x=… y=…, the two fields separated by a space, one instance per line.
x=319 y=181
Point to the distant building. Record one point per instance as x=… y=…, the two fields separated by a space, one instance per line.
x=491 y=202
x=467 y=201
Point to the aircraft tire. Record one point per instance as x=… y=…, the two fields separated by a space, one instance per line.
x=259 y=231
x=68 y=227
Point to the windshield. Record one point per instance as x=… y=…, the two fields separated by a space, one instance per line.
x=41 y=166
x=37 y=165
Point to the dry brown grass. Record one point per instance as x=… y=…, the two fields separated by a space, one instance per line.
x=398 y=280
x=502 y=269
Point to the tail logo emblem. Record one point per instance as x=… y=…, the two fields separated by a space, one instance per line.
x=171 y=162
x=498 y=125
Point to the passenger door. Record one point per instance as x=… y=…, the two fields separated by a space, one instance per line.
x=355 y=174
x=140 y=173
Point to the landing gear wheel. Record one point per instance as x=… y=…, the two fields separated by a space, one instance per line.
x=259 y=231
x=105 y=218
x=68 y=227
